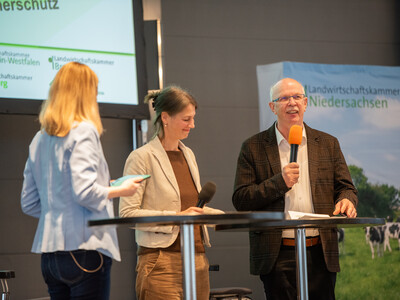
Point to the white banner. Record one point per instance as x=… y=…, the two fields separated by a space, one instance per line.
x=360 y=105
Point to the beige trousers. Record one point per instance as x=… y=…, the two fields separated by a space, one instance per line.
x=159 y=276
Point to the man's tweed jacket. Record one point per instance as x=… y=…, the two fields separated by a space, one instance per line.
x=259 y=186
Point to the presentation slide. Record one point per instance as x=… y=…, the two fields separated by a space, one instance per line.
x=39 y=37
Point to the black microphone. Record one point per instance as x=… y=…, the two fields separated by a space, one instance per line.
x=295 y=136
x=206 y=193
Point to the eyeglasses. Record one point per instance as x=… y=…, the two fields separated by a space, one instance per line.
x=297 y=98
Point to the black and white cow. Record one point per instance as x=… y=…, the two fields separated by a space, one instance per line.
x=375 y=237
x=340 y=235
x=392 y=231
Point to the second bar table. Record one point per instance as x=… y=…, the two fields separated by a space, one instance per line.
x=299 y=226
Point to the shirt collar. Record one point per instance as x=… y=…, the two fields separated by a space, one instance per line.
x=280 y=138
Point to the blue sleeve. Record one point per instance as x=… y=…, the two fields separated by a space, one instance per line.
x=30 y=200
x=87 y=166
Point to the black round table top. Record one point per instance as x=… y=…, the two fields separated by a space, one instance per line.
x=227 y=218
x=304 y=223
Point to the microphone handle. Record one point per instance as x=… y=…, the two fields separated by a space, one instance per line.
x=293 y=152
x=200 y=203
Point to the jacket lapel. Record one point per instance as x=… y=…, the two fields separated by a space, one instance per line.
x=272 y=151
x=161 y=156
x=313 y=157
x=192 y=166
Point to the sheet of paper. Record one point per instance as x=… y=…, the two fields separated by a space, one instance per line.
x=294 y=215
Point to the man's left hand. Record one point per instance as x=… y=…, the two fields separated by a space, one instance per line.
x=345 y=206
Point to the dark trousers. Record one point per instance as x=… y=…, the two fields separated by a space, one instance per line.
x=280 y=283
x=65 y=280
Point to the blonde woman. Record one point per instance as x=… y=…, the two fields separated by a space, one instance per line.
x=172 y=189
x=66 y=183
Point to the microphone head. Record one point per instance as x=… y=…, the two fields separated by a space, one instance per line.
x=207 y=192
x=295 y=135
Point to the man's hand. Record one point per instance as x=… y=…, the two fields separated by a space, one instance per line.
x=345 y=206
x=291 y=173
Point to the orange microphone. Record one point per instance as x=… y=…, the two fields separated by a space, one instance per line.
x=295 y=136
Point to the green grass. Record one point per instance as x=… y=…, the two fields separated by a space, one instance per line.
x=362 y=277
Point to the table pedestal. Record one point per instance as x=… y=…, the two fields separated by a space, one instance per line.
x=301 y=263
x=188 y=261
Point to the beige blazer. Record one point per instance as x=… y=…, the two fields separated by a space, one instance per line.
x=158 y=195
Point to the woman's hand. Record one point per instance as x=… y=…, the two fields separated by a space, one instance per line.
x=191 y=211
x=127 y=188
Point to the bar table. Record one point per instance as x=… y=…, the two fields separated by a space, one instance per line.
x=299 y=226
x=186 y=223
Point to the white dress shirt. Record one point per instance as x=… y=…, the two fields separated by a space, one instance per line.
x=299 y=197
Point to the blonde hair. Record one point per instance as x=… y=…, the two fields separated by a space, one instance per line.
x=72 y=98
x=171 y=100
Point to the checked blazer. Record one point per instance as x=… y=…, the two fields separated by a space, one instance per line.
x=259 y=186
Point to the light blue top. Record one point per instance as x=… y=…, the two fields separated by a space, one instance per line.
x=65 y=185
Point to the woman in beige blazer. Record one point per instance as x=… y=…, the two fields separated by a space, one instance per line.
x=172 y=189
